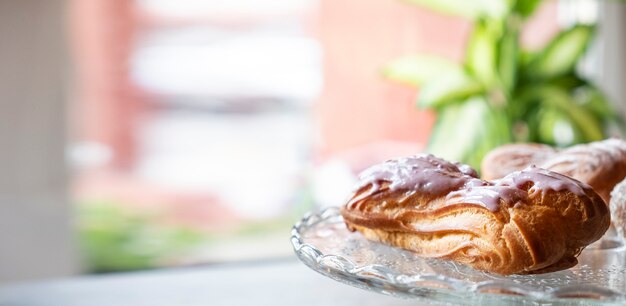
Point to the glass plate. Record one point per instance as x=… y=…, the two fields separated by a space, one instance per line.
x=322 y=242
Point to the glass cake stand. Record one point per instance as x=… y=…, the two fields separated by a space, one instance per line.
x=322 y=242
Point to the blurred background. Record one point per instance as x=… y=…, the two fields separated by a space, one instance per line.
x=139 y=134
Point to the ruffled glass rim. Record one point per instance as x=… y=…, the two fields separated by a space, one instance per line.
x=383 y=279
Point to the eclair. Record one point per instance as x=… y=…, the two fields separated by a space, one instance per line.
x=601 y=164
x=530 y=221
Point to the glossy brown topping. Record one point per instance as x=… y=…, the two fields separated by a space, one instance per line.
x=516 y=187
x=587 y=158
x=490 y=196
x=434 y=177
x=420 y=173
x=601 y=164
x=538 y=180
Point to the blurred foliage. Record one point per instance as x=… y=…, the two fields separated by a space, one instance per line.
x=503 y=93
x=115 y=238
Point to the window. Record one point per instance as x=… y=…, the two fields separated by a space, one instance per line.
x=194 y=129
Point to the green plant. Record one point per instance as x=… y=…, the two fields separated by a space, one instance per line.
x=113 y=238
x=503 y=93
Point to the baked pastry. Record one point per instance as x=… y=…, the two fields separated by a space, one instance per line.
x=530 y=221
x=601 y=164
x=514 y=157
x=618 y=209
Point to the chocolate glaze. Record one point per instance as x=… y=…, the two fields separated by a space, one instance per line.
x=587 y=158
x=421 y=173
x=540 y=180
x=491 y=196
x=427 y=174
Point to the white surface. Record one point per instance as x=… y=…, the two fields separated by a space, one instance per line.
x=279 y=283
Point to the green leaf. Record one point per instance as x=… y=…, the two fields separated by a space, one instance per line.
x=416 y=70
x=527 y=56
x=557 y=98
x=562 y=53
x=466 y=131
x=556 y=128
x=532 y=123
x=482 y=52
x=471 y=9
x=526 y=7
x=508 y=55
x=592 y=99
x=568 y=82
x=447 y=89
